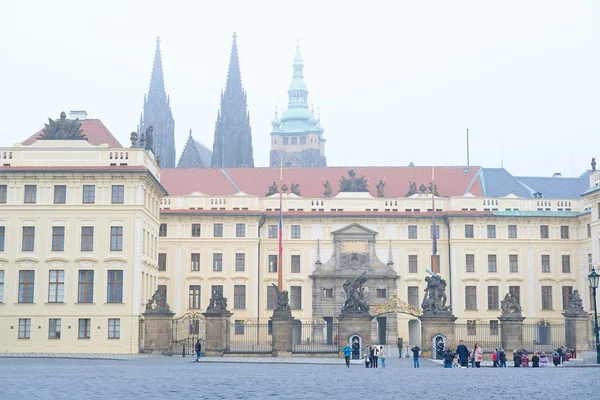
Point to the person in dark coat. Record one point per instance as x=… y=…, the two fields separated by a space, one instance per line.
x=517 y=358
x=416 y=350
x=448 y=358
x=198 y=348
x=463 y=354
x=535 y=360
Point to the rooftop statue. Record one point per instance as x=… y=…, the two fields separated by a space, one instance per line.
x=272 y=190
x=380 y=188
x=62 y=129
x=327 y=187
x=412 y=189
x=353 y=184
x=296 y=189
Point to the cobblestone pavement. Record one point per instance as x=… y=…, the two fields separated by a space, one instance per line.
x=179 y=377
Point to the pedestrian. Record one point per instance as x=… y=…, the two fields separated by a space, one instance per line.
x=368 y=356
x=382 y=356
x=535 y=360
x=198 y=348
x=524 y=360
x=543 y=360
x=399 y=344
x=463 y=354
x=477 y=355
x=495 y=358
x=448 y=358
x=516 y=359
x=347 y=352
x=560 y=354
x=375 y=356
x=556 y=358
x=563 y=357
x=502 y=358
x=416 y=350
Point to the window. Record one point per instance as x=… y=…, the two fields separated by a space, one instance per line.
x=28 y=238
x=381 y=294
x=413 y=296
x=116 y=238
x=30 y=193
x=545 y=263
x=437 y=231
x=26 y=279
x=470 y=262
x=24 y=328
x=115 y=286
x=196 y=230
x=273 y=229
x=162 y=261
x=590 y=264
x=85 y=327
x=54 y=328
x=295 y=231
x=469 y=231
x=564 y=232
x=546 y=297
x=240 y=262
x=3 y=193
x=513 y=263
x=114 y=328
x=492 y=267
x=413 y=266
x=239 y=327
x=412 y=231
x=471 y=297
x=56 y=286
x=567 y=292
x=216 y=289
x=217 y=262
x=589 y=230
x=512 y=231
x=89 y=194
x=162 y=289
x=494 y=327
x=194 y=297
x=328 y=293
x=2 y=233
x=240 y=230
x=271 y=297
x=239 y=297
x=1 y=286
x=87 y=238
x=195 y=260
x=435 y=268
x=515 y=291
x=471 y=327
x=162 y=231
x=493 y=299
x=544 y=232
x=303 y=140
x=58 y=238
x=60 y=194
x=272 y=263
x=86 y=286
x=566 y=264
x=286 y=141
x=491 y=231
x=296 y=297
x=294 y=140
x=295 y=262
x=118 y=194
x=218 y=230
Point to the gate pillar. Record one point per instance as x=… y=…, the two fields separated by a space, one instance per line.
x=434 y=326
x=577 y=325
x=354 y=325
x=217 y=332
x=158 y=326
x=511 y=332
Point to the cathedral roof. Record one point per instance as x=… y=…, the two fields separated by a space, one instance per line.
x=450 y=181
x=195 y=155
x=94 y=130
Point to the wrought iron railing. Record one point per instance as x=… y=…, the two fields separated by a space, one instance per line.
x=488 y=337
x=315 y=337
x=543 y=336
x=248 y=337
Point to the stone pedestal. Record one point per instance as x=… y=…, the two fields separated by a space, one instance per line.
x=282 y=334
x=354 y=325
x=577 y=331
x=158 y=333
x=511 y=332
x=217 y=331
x=433 y=325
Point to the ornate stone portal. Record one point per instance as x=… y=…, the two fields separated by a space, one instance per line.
x=349 y=281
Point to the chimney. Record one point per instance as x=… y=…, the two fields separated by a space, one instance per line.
x=557 y=175
x=82 y=115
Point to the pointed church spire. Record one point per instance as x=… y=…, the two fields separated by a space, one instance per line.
x=157 y=113
x=232 y=147
x=297 y=92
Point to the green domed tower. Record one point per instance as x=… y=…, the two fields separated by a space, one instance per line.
x=297 y=137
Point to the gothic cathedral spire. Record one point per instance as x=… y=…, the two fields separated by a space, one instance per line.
x=157 y=113
x=232 y=146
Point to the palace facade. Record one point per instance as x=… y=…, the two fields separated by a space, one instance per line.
x=89 y=230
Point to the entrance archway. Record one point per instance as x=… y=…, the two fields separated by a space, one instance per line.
x=392 y=306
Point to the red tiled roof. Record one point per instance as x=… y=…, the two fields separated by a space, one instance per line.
x=93 y=129
x=451 y=181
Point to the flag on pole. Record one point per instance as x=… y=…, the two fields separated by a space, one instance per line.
x=434 y=233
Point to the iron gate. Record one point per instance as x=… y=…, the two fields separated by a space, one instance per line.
x=187 y=329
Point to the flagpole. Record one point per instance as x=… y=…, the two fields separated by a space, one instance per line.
x=433 y=235
x=280 y=257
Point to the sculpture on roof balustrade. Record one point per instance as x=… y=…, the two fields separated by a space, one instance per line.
x=353 y=184
x=380 y=188
x=327 y=187
x=296 y=189
x=412 y=189
x=62 y=129
x=272 y=190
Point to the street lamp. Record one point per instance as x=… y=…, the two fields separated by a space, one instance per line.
x=594 y=280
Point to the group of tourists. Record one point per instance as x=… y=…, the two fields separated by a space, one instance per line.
x=373 y=355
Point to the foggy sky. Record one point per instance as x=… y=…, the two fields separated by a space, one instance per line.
x=394 y=81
